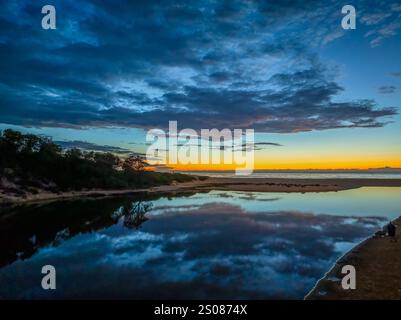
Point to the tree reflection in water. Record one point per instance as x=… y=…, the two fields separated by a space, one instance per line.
x=133 y=213
x=27 y=228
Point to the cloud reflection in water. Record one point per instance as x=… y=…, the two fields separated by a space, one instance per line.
x=210 y=250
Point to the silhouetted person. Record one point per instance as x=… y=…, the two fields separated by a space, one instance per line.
x=391 y=230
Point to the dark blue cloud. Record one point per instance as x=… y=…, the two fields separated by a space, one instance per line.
x=205 y=64
x=83 y=145
x=387 y=89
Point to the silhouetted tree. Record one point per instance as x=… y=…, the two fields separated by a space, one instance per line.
x=134 y=163
x=36 y=160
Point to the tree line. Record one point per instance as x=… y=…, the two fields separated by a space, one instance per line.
x=34 y=161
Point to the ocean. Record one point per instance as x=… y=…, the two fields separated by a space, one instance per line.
x=303 y=174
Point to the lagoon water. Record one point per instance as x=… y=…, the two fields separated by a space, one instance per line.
x=226 y=245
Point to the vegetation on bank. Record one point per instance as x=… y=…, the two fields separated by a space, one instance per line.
x=35 y=162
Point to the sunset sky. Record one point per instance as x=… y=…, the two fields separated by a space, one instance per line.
x=317 y=96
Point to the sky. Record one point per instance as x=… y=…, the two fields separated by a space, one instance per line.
x=317 y=96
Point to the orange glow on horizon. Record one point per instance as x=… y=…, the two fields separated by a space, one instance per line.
x=281 y=159
x=323 y=165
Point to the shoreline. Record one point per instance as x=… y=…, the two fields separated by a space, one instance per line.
x=377 y=260
x=227 y=184
x=95 y=193
x=377 y=263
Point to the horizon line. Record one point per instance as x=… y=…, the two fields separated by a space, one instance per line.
x=299 y=170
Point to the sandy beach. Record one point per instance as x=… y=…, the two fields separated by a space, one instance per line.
x=295 y=185
x=377 y=262
x=229 y=184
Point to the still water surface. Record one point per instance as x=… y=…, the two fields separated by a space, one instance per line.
x=226 y=245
